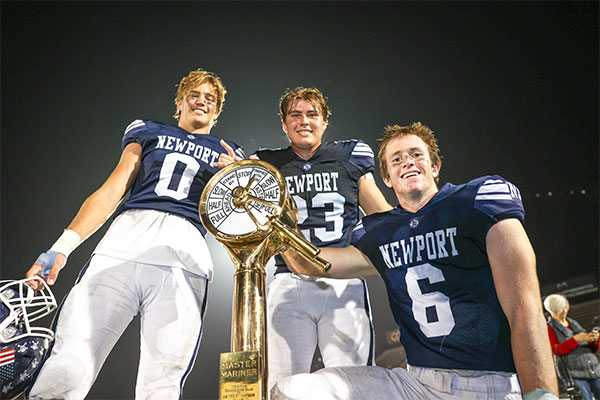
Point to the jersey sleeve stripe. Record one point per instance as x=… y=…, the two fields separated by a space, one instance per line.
x=493 y=197
x=496 y=187
x=357 y=233
x=362 y=153
x=362 y=149
x=362 y=144
x=492 y=181
x=362 y=157
x=240 y=152
x=135 y=124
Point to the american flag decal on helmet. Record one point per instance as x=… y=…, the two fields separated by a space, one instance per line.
x=7 y=364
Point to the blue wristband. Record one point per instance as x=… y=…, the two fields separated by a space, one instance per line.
x=539 y=394
x=46 y=260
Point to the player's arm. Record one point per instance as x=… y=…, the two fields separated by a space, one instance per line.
x=346 y=262
x=370 y=198
x=94 y=211
x=513 y=266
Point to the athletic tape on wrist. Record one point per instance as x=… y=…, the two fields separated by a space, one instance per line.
x=67 y=242
x=46 y=260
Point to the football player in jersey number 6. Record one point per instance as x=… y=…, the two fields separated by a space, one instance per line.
x=328 y=181
x=152 y=260
x=461 y=280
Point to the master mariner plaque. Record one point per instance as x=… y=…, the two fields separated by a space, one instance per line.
x=246 y=207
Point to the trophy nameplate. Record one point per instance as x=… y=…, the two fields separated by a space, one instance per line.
x=239 y=375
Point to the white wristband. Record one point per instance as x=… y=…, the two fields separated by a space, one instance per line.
x=67 y=242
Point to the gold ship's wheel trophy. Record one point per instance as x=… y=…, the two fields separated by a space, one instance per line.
x=246 y=207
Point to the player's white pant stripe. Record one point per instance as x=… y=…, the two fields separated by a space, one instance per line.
x=371 y=359
x=195 y=354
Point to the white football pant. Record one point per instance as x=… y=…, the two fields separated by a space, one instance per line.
x=99 y=307
x=370 y=383
x=303 y=312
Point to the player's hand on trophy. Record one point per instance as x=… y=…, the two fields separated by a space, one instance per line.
x=300 y=264
x=47 y=266
x=299 y=244
x=279 y=242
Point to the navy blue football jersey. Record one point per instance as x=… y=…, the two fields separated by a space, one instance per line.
x=438 y=277
x=325 y=188
x=176 y=166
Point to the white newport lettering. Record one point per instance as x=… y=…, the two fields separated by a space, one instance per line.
x=204 y=154
x=420 y=240
x=433 y=245
x=180 y=145
x=169 y=145
x=317 y=182
x=407 y=251
x=161 y=142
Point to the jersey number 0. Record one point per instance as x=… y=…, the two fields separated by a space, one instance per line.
x=176 y=185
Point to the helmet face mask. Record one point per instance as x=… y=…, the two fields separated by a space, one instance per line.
x=20 y=306
x=22 y=346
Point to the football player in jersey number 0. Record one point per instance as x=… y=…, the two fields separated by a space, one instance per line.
x=461 y=280
x=152 y=260
x=328 y=181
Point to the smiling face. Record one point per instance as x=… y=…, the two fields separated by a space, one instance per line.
x=409 y=167
x=304 y=126
x=198 y=109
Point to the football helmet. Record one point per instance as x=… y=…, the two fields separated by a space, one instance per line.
x=22 y=346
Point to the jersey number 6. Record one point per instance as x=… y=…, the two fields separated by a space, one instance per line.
x=431 y=310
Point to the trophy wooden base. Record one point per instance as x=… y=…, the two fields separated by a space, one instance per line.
x=241 y=376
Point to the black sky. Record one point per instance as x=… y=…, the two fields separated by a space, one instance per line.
x=508 y=87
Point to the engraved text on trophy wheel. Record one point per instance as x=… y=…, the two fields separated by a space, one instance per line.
x=241 y=191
